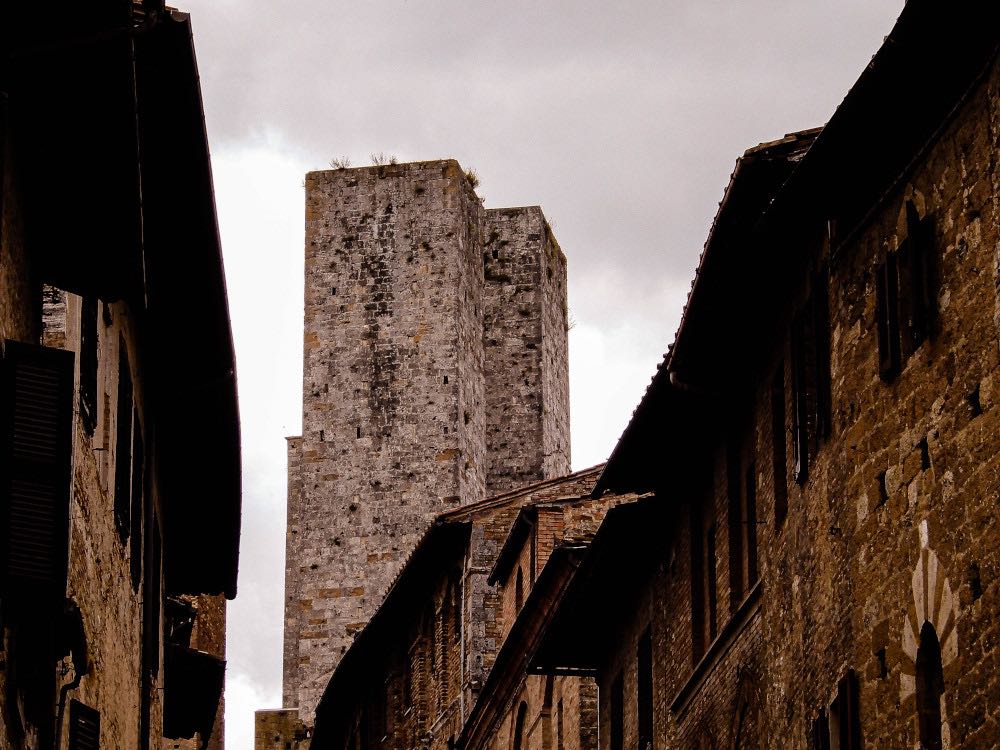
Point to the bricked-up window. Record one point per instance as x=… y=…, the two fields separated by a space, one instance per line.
x=88 y=364
x=616 y=712
x=704 y=624
x=84 y=727
x=644 y=690
x=844 y=719
x=123 y=445
x=930 y=688
x=37 y=420
x=779 y=467
x=742 y=478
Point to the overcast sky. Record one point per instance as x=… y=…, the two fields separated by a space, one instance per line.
x=622 y=120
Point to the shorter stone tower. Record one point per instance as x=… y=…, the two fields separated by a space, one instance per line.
x=435 y=374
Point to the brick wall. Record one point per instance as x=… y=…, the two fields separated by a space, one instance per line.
x=898 y=509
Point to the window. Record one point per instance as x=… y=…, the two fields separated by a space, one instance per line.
x=742 y=478
x=703 y=586
x=644 y=664
x=88 y=364
x=35 y=490
x=904 y=295
x=930 y=688
x=617 y=714
x=811 y=390
x=840 y=727
x=820 y=734
x=519 y=726
x=845 y=723
x=779 y=467
x=84 y=727
x=138 y=493
x=123 y=446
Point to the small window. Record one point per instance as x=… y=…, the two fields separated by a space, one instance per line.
x=644 y=703
x=742 y=523
x=703 y=580
x=811 y=386
x=845 y=722
x=520 y=727
x=779 y=466
x=84 y=727
x=820 y=732
x=617 y=714
x=904 y=295
x=138 y=509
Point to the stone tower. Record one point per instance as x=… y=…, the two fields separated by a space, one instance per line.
x=435 y=374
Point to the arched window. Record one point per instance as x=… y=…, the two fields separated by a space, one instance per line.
x=930 y=688
x=518 y=591
x=522 y=714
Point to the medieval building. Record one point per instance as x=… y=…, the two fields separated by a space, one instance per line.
x=794 y=542
x=435 y=375
x=120 y=452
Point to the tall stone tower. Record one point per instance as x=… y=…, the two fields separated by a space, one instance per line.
x=435 y=374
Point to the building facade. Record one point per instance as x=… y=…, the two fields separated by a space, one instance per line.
x=824 y=574
x=796 y=534
x=114 y=570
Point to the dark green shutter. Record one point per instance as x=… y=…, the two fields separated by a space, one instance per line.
x=84 y=727
x=38 y=420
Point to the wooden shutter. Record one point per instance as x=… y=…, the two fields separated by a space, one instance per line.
x=887 y=317
x=84 y=727
x=34 y=499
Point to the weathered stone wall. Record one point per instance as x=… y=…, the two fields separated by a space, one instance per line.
x=392 y=423
x=401 y=385
x=896 y=524
x=527 y=392
x=279 y=730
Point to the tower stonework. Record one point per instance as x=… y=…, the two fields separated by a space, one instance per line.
x=435 y=374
